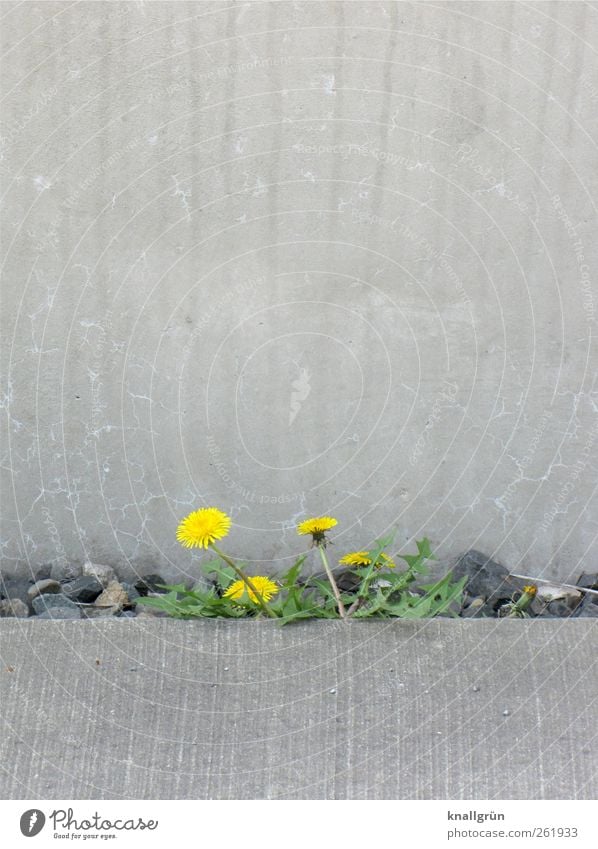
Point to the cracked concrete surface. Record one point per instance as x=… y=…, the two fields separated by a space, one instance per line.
x=292 y=258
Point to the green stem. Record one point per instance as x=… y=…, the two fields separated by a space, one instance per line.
x=246 y=580
x=337 y=595
x=363 y=590
x=519 y=607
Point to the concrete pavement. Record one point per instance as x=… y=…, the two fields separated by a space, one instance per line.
x=158 y=709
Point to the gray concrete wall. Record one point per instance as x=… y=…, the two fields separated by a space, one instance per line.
x=292 y=258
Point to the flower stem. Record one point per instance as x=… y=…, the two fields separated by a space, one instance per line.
x=246 y=580
x=363 y=591
x=337 y=595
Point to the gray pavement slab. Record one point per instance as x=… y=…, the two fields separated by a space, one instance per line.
x=160 y=709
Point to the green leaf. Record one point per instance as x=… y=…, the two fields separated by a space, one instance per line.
x=438 y=587
x=226 y=574
x=381 y=544
x=324 y=588
x=453 y=593
x=290 y=606
x=416 y=562
x=172 y=588
x=289 y=579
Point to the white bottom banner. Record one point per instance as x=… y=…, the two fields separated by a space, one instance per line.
x=225 y=824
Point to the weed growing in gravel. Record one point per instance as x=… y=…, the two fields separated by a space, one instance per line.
x=517 y=609
x=378 y=588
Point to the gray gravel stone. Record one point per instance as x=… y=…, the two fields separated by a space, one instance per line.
x=588 y=607
x=84 y=589
x=114 y=596
x=43 y=587
x=131 y=591
x=51 y=600
x=476 y=608
x=103 y=574
x=548 y=593
x=538 y=607
x=65 y=571
x=346 y=580
x=13 y=607
x=559 y=608
x=15 y=588
x=486 y=578
x=149 y=584
x=589 y=580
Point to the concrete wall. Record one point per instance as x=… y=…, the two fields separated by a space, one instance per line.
x=292 y=258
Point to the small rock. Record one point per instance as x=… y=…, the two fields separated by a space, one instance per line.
x=476 y=602
x=44 y=572
x=132 y=593
x=476 y=607
x=588 y=607
x=537 y=607
x=346 y=581
x=150 y=584
x=15 y=588
x=589 y=580
x=13 y=607
x=104 y=574
x=48 y=601
x=84 y=589
x=59 y=613
x=559 y=608
x=548 y=593
x=41 y=587
x=485 y=578
x=114 y=595
x=65 y=572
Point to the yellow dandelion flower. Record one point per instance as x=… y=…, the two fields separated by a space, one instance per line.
x=530 y=589
x=385 y=561
x=203 y=527
x=356 y=558
x=316 y=527
x=362 y=558
x=264 y=586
